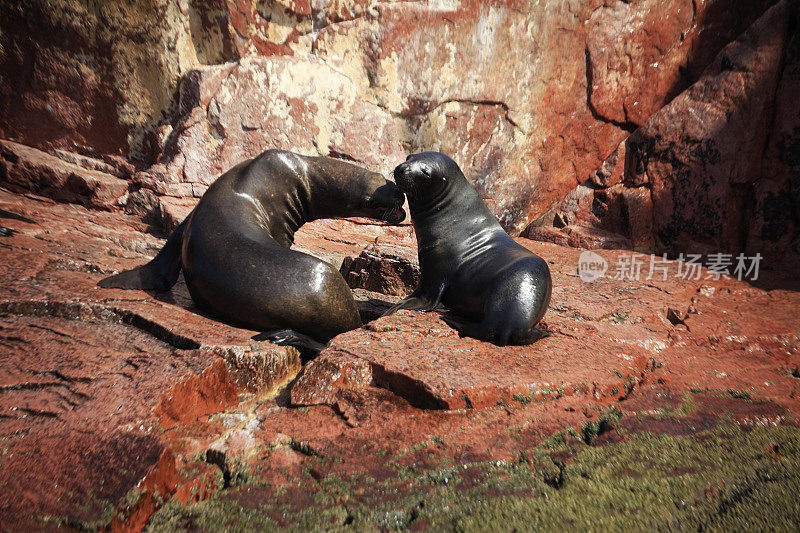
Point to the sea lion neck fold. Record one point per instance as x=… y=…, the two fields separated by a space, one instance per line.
x=280 y=205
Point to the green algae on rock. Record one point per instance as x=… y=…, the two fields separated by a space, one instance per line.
x=726 y=477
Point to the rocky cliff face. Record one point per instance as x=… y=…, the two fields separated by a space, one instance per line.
x=715 y=170
x=531 y=99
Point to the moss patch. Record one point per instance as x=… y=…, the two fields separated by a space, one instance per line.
x=723 y=478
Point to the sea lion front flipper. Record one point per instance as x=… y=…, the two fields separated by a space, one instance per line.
x=417 y=301
x=160 y=274
x=289 y=337
x=413 y=303
x=410 y=302
x=476 y=330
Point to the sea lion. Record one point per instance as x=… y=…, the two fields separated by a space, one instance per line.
x=234 y=246
x=494 y=288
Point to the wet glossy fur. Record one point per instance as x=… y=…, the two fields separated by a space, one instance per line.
x=495 y=289
x=234 y=247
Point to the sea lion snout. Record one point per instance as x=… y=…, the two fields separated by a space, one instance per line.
x=400 y=176
x=397 y=195
x=389 y=198
x=408 y=175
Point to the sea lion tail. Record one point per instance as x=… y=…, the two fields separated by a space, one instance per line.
x=160 y=274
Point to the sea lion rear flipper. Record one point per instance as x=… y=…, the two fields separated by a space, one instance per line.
x=160 y=274
x=290 y=337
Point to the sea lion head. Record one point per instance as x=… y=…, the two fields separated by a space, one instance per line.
x=384 y=202
x=426 y=175
x=353 y=191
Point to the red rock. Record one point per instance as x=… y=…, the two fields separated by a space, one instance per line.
x=259 y=369
x=323 y=377
x=773 y=231
x=709 y=141
x=173 y=211
x=415 y=355
x=236 y=111
x=386 y=269
x=66 y=474
x=610 y=172
x=507 y=126
x=160 y=482
x=198 y=395
x=26 y=169
x=95 y=76
x=86 y=367
x=639 y=208
x=683 y=181
x=526 y=135
x=340 y=241
x=272 y=28
x=201 y=484
x=78 y=466
x=480 y=136
x=361 y=405
x=591 y=216
x=526 y=126
x=641 y=55
x=579 y=237
x=76 y=399
x=635 y=53
x=89 y=163
x=367 y=425
x=421 y=359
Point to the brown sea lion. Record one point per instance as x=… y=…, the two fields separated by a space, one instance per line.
x=234 y=246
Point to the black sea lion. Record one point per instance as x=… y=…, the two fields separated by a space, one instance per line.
x=494 y=288
x=234 y=246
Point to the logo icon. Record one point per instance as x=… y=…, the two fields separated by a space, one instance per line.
x=591 y=266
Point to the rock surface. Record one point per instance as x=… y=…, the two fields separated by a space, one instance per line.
x=26 y=169
x=236 y=111
x=403 y=400
x=384 y=268
x=708 y=172
x=201 y=85
x=775 y=227
x=87 y=373
x=97 y=76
